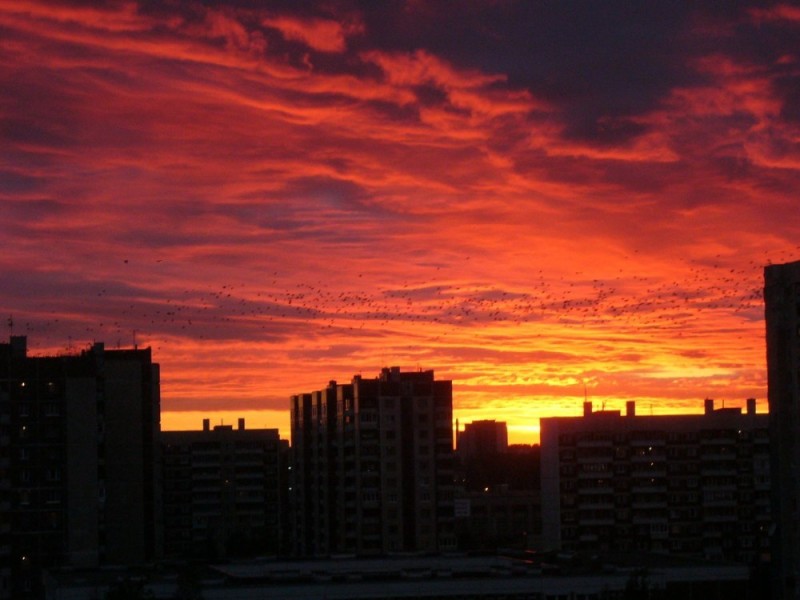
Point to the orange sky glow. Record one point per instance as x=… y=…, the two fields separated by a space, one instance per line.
x=541 y=202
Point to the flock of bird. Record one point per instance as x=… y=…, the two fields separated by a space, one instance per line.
x=280 y=307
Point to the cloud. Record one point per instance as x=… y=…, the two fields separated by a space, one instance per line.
x=318 y=34
x=519 y=195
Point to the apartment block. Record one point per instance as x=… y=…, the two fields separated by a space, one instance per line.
x=79 y=462
x=372 y=466
x=482 y=437
x=782 y=313
x=223 y=492
x=684 y=484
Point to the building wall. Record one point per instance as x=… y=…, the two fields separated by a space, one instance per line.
x=6 y=492
x=549 y=437
x=682 y=484
x=83 y=492
x=782 y=312
x=498 y=517
x=124 y=463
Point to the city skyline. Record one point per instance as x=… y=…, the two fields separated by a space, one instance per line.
x=542 y=203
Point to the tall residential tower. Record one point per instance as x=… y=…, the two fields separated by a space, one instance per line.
x=79 y=482
x=372 y=466
x=782 y=311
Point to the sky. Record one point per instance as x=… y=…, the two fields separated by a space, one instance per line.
x=545 y=202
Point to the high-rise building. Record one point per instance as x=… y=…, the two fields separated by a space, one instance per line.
x=79 y=461
x=372 y=466
x=682 y=484
x=782 y=312
x=223 y=491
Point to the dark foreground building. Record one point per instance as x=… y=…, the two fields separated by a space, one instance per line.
x=372 y=466
x=782 y=312
x=223 y=492
x=78 y=462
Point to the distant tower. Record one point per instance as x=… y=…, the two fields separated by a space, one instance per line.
x=482 y=437
x=782 y=312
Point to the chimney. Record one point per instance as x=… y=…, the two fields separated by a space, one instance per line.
x=751 y=406
x=587 y=409
x=630 y=408
x=241 y=424
x=206 y=424
x=709 y=406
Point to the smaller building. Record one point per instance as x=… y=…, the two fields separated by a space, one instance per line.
x=482 y=437
x=694 y=485
x=223 y=491
x=498 y=501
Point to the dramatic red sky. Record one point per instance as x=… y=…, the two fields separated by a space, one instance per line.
x=537 y=200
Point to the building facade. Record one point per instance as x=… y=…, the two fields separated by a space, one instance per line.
x=782 y=313
x=482 y=437
x=683 y=484
x=372 y=466
x=79 y=451
x=223 y=491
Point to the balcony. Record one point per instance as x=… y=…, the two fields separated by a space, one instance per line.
x=596 y=490
x=596 y=522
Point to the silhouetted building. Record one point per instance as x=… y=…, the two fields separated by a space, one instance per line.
x=498 y=501
x=782 y=312
x=682 y=484
x=372 y=466
x=79 y=451
x=482 y=437
x=223 y=491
